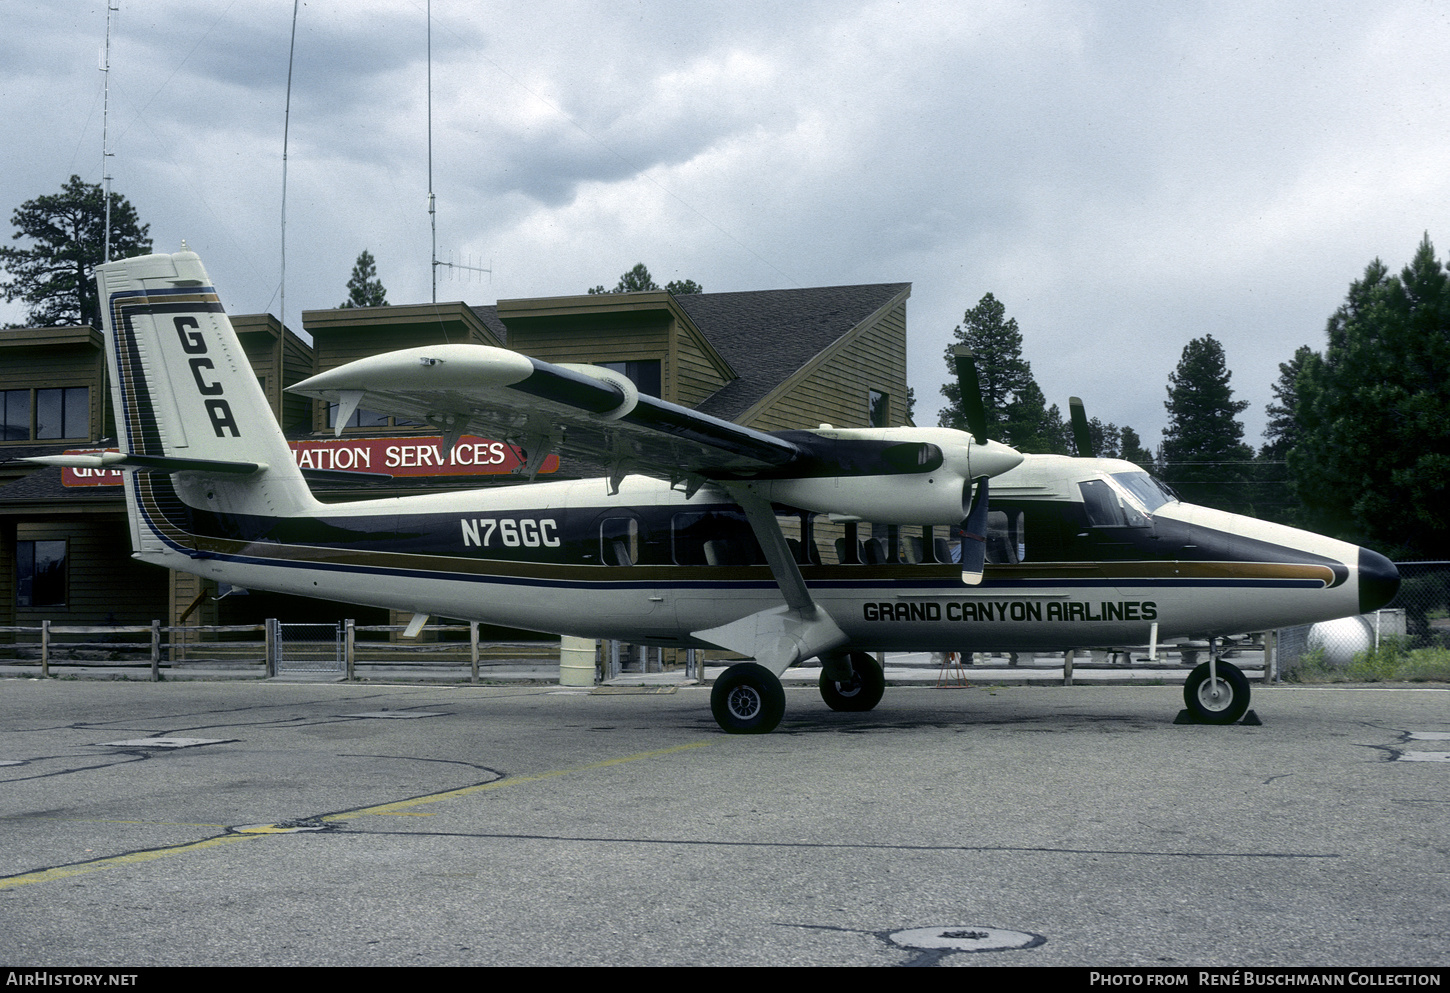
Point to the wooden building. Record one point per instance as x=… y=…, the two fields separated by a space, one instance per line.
x=772 y=359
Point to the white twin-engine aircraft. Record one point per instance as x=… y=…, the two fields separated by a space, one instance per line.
x=684 y=543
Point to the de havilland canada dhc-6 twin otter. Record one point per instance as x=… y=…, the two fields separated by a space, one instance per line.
x=684 y=542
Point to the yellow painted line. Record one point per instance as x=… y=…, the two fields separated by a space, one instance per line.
x=401 y=807
x=135 y=858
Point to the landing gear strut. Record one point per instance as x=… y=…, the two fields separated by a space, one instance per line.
x=747 y=699
x=861 y=692
x=1221 y=701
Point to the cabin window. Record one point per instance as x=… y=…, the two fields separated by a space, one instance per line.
x=1006 y=544
x=619 y=541
x=714 y=537
x=40 y=573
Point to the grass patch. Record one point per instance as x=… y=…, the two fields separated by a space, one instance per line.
x=1390 y=662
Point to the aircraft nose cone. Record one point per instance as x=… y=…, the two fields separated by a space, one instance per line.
x=1379 y=580
x=992 y=458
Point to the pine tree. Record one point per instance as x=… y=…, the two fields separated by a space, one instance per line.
x=56 y=275
x=1371 y=461
x=1132 y=450
x=1017 y=412
x=365 y=289
x=1203 y=455
x=638 y=280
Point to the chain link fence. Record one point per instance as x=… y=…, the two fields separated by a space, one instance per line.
x=1418 y=617
x=315 y=648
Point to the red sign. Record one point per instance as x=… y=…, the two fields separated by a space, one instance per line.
x=90 y=477
x=414 y=456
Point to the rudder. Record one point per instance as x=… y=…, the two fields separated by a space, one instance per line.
x=182 y=387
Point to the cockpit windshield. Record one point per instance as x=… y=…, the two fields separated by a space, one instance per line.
x=1145 y=489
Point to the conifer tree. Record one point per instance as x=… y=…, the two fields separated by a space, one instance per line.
x=1203 y=455
x=67 y=231
x=365 y=289
x=1371 y=458
x=1017 y=412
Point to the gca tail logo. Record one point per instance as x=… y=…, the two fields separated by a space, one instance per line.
x=220 y=412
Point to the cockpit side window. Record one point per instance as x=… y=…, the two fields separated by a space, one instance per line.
x=1148 y=491
x=1102 y=504
x=1107 y=506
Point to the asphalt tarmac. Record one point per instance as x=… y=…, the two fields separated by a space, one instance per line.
x=265 y=823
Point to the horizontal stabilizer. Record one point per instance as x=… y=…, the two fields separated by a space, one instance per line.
x=148 y=463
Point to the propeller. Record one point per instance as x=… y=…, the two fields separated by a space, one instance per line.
x=1081 y=436
x=971 y=392
x=974 y=538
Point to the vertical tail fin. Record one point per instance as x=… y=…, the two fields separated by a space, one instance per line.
x=183 y=389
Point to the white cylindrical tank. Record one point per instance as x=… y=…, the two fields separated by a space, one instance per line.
x=576 y=661
x=1341 y=639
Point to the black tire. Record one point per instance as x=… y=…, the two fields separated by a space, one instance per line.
x=861 y=692
x=1225 y=706
x=747 y=699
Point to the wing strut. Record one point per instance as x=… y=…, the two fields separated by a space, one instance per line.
x=777 y=637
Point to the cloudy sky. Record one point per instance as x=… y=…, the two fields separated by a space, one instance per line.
x=1124 y=177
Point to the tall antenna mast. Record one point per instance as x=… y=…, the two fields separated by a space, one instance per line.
x=286 y=128
x=112 y=6
x=432 y=208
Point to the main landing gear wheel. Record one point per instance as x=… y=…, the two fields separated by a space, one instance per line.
x=747 y=699
x=861 y=692
x=1223 y=702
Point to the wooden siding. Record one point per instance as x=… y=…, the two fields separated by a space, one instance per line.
x=833 y=388
x=607 y=338
x=104 y=585
x=54 y=358
x=699 y=369
x=620 y=328
x=342 y=335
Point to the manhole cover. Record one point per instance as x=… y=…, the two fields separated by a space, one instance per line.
x=966 y=938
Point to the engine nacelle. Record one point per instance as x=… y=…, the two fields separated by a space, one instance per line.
x=902 y=475
x=940 y=497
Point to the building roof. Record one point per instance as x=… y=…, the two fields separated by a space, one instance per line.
x=768 y=335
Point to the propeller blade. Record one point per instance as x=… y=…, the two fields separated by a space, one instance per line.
x=1081 y=436
x=971 y=391
x=974 y=541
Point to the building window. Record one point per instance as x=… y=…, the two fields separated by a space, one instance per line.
x=878 y=408
x=40 y=573
x=643 y=373
x=16 y=410
x=370 y=419
x=43 y=415
x=359 y=419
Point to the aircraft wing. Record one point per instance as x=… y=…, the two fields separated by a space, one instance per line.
x=585 y=411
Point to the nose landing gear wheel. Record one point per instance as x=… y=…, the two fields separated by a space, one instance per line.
x=1221 y=702
x=747 y=699
x=861 y=692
